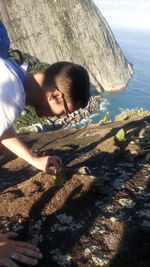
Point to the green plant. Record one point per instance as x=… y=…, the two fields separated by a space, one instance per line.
x=66 y=24
x=127 y=113
x=29 y=118
x=120 y=135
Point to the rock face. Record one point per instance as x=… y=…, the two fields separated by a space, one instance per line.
x=68 y=30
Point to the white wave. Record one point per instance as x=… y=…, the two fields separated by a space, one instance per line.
x=84 y=121
x=104 y=105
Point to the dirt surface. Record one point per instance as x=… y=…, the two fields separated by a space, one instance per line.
x=96 y=213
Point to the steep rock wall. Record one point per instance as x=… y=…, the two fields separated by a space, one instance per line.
x=56 y=30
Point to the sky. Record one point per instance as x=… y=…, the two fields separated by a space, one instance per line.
x=126 y=14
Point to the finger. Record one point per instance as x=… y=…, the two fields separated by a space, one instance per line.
x=11 y=235
x=52 y=163
x=28 y=252
x=59 y=161
x=24 y=259
x=26 y=245
x=56 y=164
x=51 y=170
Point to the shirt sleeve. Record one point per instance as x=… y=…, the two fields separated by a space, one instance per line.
x=12 y=99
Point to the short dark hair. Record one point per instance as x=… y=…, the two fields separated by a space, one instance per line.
x=71 y=79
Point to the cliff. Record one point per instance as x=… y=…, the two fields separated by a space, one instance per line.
x=76 y=31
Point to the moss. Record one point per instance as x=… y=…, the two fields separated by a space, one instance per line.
x=34 y=64
x=29 y=118
x=24 y=131
x=66 y=24
x=127 y=113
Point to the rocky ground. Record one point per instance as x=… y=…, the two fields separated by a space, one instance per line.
x=96 y=213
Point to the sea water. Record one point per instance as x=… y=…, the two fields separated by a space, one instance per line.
x=136 y=48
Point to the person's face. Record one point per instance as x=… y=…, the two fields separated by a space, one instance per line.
x=55 y=105
x=59 y=106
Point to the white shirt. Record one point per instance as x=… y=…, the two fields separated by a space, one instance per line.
x=12 y=97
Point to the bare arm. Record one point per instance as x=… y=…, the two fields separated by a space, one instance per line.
x=12 y=141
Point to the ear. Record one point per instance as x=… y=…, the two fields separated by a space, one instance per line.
x=55 y=94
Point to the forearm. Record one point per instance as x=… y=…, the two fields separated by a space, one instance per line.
x=11 y=140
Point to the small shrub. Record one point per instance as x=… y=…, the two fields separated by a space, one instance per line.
x=127 y=113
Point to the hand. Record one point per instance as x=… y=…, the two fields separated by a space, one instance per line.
x=15 y=250
x=59 y=161
x=48 y=164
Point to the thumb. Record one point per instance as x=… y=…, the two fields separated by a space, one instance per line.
x=59 y=161
x=52 y=166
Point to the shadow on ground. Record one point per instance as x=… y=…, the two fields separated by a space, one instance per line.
x=99 y=218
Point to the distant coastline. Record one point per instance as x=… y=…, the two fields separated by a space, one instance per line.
x=136 y=48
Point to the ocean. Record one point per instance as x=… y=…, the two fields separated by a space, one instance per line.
x=136 y=48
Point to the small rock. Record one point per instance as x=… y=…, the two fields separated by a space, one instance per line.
x=84 y=170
